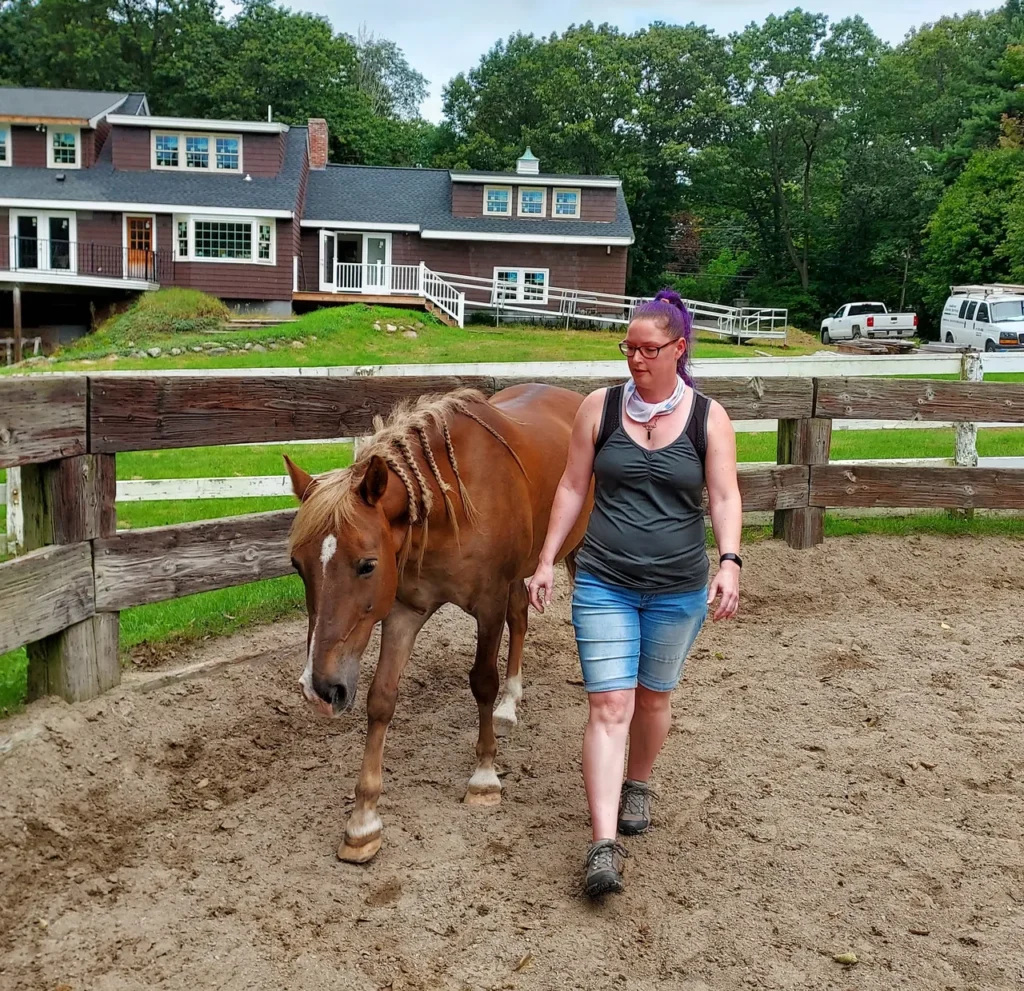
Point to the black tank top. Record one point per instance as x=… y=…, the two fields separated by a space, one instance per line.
x=647 y=530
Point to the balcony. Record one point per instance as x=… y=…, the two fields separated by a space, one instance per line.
x=55 y=262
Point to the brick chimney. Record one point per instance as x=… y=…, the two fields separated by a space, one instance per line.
x=317 y=143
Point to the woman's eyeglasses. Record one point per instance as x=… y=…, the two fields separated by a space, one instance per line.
x=647 y=350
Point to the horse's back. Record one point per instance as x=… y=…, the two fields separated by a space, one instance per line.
x=537 y=404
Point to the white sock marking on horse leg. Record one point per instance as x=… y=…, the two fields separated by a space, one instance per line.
x=506 y=710
x=485 y=779
x=328 y=549
x=362 y=823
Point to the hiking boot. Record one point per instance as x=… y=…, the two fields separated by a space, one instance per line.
x=604 y=867
x=634 y=808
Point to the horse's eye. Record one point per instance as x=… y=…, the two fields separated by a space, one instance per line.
x=365 y=567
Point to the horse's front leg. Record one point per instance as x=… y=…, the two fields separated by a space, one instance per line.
x=363 y=829
x=484 y=786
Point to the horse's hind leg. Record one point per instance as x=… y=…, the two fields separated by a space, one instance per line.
x=484 y=786
x=517 y=617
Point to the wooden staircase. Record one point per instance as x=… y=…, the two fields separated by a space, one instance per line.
x=440 y=314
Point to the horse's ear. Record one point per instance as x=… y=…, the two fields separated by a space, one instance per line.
x=375 y=481
x=301 y=480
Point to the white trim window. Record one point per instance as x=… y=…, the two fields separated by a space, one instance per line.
x=44 y=240
x=566 y=204
x=497 y=201
x=5 y=146
x=245 y=240
x=521 y=285
x=533 y=201
x=63 y=147
x=196 y=152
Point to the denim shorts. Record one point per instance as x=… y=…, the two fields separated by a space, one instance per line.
x=627 y=637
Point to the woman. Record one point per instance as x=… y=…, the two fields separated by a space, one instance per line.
x=641 y=592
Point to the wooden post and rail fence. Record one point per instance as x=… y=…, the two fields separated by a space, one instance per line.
x=63 y=596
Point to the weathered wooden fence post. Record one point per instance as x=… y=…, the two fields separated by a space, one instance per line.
x=67 y=502
x=15 y=515
x=806 y=441
x=965 y=452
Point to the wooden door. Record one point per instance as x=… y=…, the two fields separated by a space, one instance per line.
x=140 y=248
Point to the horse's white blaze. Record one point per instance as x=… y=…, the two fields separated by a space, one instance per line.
x=485 y=779
x=362 y=823
x=328 y=549
x=506 y=709
x=306 y=679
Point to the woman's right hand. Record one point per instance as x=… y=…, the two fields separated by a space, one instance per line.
x=541 y=585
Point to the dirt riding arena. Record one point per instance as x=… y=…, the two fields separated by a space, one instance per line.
x=845 y=775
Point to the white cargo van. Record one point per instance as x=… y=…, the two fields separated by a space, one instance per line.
x=984 y=318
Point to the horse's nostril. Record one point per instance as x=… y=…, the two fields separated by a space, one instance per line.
x=338 y=695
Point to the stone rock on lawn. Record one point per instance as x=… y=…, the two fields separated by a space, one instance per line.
x=411 y=334
x=217 y=351
x=175 y=351
x=275 y=347
x=377 y=326
x=248 y=346
x=391 y=328
x=154 y=352
x=298 y=344
x=196 y=348
x=259 y=349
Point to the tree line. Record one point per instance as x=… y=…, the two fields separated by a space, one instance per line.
x=798 y=162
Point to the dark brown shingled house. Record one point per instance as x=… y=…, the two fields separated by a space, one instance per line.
x=99 y=198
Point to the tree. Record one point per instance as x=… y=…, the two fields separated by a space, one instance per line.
x=977 y=232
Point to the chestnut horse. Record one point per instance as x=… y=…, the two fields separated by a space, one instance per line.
x=447 y=502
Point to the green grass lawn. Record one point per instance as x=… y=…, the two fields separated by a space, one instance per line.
x=345 y=335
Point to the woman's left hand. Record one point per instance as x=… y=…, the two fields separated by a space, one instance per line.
x=727 y=585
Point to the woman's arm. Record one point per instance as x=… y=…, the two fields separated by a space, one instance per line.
x=569 y=496
x=726 y=508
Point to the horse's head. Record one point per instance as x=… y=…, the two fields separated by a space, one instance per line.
x=343 y=547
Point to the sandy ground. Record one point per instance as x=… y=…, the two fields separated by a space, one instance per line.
x=845 y=774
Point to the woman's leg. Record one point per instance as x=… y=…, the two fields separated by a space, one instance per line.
x=652 y=716
x=607 y=626
x=604 y=750
x=669 y=624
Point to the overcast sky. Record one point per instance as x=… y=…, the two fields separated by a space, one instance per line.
x=442 y=39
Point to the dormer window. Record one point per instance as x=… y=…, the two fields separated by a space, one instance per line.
x=63 y=148
x=197 y=152
x=5 y=146
x=498 y=201
x=532 y=202
x=567 y=203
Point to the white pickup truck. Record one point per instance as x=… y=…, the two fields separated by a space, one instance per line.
x=853 y=320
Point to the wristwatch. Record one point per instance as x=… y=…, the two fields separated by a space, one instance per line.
x=731 y=557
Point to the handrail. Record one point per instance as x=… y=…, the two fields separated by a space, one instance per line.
x=58 y=256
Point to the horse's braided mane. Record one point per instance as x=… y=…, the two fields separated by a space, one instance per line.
x=331 y=498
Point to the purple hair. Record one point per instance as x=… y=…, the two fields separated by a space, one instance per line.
x=671 y=315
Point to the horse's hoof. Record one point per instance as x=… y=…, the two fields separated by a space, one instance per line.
x=361 y=853
x=483 y=799
x=503 y=725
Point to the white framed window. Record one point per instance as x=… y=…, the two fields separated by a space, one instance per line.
x=520 y=285
x=63 y=147
x=5 y=146
x=532 y=202
x=498 y=201
x=266 y=236
x=196 y=152
x=44 y=240
x=567 y=203
x=247 y=240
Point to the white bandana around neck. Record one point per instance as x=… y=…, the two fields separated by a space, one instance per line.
x=648 y=413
